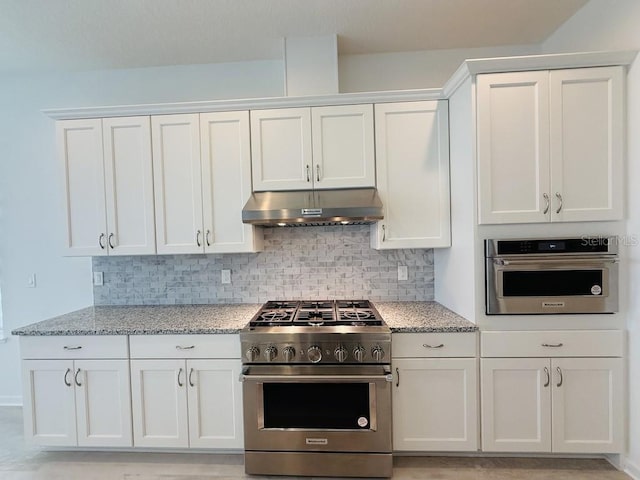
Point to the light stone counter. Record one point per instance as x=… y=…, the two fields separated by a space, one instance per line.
x=146 y=320
x=418 y=317
x=402 y=317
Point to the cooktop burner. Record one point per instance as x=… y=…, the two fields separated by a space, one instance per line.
x=317 y=313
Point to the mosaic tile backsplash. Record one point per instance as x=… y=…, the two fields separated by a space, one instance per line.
x=297 y=263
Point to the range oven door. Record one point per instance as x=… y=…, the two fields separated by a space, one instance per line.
x=317 y=408
x=551 y=285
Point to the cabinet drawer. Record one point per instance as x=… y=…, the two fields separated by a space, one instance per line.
x=84 y=346
x=561 y=343
x=410 y=345
x=185 y=346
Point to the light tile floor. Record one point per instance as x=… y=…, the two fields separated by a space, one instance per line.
x=19 y=462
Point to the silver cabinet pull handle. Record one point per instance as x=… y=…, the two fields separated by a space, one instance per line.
x=191 y=384
x=180 y=384
x=180 y=347
x=308 y=178
x=75 y=347
x=559 y=384
x=100 y=241
x=547 y=203
x=75 y=378
x=426 y=345
x=198 y=233
x=110 y=242
x=384 y=233
x=546 y=371
x=66 y=377
x=552 y=345
x=559 y=197
x=397 y=377
x=317 y=173
x=207 y=238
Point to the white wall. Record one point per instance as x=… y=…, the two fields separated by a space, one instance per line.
x=607 y=25
x=410 y=70
x=31 y=222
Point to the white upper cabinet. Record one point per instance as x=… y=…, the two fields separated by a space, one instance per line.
x=318 y=147
x=412 y=148
x=550 y=145
x=586 y=143
x=109 y=192
x=226 y=182
x=129 y=186
x=343 y=146
x=177 y=182
x=202 y=175
x=80 y=151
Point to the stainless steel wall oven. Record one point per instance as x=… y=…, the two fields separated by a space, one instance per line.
x=551 y=276
x=317 y=390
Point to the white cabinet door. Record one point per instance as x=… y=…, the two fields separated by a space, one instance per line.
x=516 y=405
x=435 y=404
x=587 y=399
x=80 y=151
x=129 y=186
x=49 y=402
x=513 y=147
x=103 y=403
x=281 y=149
x=226 y=183
x=215 y=404
x=587 y=129
x=343 y=146
x=412 y=148
x=177 y=183
x=159 y=403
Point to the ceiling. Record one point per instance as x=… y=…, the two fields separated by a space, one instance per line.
x=59 y=35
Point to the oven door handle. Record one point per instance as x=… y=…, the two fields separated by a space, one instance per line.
x=322 y=378
x=555 y=262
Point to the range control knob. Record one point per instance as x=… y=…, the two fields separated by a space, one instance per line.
x=288 y=353
x=340 y=354
x=377 y=353
x=314 y=354
x=270 y=353
x=358 y=354
x=252 y=353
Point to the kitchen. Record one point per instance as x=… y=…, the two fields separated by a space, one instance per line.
x=46 y=301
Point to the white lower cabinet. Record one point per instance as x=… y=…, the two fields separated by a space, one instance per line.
x=77 y=403
x=435 y=400
x=561 y=404
x=185 y=402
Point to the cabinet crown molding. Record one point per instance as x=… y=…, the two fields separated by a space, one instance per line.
x=554 y=61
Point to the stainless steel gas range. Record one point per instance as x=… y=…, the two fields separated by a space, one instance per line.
x=317 y=390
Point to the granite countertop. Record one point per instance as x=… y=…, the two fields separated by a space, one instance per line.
x=420 y=317
x=402 y=317
x=146 y=320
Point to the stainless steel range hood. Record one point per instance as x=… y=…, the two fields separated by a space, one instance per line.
x=313 y=207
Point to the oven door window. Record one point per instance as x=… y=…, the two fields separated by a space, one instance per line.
x=552 y=283
x=337 y=406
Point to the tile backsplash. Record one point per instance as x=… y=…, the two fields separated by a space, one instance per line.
x=297 y=263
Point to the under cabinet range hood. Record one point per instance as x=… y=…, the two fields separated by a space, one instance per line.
x=313 y=207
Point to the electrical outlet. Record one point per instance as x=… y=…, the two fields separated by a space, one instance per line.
x=31 y=281
x=226 y=276
x=403 y=272
x=98 y=279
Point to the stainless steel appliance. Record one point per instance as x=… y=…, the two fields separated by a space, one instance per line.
x=317 y=390
x=551 y=276
x=313 y=207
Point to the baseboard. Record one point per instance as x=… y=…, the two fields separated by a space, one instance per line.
x=632 y=470
x=10 y=401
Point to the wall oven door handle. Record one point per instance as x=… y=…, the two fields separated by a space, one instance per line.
x=557 y=262
x=315 y=378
